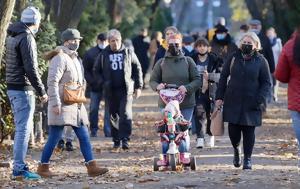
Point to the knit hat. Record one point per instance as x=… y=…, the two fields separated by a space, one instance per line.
x=221 y=29
x=31 y=15
x=70 y=34
x=176 y=38
x=255 y=22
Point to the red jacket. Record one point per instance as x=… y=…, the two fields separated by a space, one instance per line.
x=289 y=72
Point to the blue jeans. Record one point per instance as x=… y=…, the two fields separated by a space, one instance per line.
x=296 y=124
x=23 y=105
x=182 y=147
x=94 y=114
x=55 y=133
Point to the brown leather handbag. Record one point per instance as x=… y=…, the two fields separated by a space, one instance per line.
x=74 y=93
x=217 y=124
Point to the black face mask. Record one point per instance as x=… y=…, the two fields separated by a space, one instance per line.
x=246 y=49
x=202 y=54
x=174 y=50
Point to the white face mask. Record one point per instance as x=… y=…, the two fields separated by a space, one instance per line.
x=101 y=46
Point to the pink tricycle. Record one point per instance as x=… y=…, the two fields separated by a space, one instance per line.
x=173 y=130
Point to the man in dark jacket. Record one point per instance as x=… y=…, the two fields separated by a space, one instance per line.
x=222 y=44
x=95 y=91
x=256 y=27
x=122 y=76
x=141 y=44
x=22 y=79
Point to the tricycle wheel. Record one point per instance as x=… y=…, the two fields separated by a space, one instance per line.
x=173 y=162
x=155 y=166
x=193 y=163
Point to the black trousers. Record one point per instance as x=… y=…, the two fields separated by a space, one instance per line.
x=202 y=115
x=120 y=109
x=235 y=134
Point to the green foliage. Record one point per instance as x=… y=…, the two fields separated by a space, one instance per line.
x=240 y=11
x=162 y=19
x=134 y=19
x=93 y=21
x=46 y=40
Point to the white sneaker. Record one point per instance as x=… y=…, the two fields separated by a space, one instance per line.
x=200 y=142
x=210 y=142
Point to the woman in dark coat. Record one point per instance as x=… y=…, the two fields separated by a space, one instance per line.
x=243 y=95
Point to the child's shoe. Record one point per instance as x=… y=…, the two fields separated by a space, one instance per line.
x=184 y=159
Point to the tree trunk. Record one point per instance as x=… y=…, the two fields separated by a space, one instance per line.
x=115 y=10
x=6 y=10
x=67 y=13
x=253 y=9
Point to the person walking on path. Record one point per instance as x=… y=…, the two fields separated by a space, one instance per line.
x=121 y=75
x=207 y=63
x=96 y=90
x=266 y=50
x=22 y=78
x=222 y=43
x=243 y=95
x=276 y=48
x=141 y=44
x=288 y=71
x=177 y=69
x=65 y=66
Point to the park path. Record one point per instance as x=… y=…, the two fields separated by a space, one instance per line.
x=274 y=158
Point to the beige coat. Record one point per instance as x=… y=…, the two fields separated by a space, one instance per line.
x=62 y=70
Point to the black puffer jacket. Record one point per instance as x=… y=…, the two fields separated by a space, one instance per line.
x=88 y=62
x=21 y=60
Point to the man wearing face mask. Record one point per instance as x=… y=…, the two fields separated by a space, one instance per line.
x=266 y=49
x=22 y=79
x=122 y=77
x=96 y=89
x=222 y=44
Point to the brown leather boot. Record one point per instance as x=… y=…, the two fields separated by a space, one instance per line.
x=43 y=170
x=93 y=170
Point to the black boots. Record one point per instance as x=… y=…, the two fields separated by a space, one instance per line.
x=237 y=157
x=247 y=163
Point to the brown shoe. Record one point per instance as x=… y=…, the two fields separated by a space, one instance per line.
x=93 y=170
x=43 y=170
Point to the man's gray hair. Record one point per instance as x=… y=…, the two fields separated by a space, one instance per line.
x=114 y=33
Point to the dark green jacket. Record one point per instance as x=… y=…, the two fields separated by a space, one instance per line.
x=179 y=70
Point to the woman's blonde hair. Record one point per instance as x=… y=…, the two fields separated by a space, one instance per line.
x=254 y=37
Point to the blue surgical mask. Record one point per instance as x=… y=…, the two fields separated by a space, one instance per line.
x=189 y=48
x=220 y=36
x=256 y=31
x=34 y=31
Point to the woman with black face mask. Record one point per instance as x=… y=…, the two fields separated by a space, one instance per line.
x=208 y=65
x=177 y=69
x=243 y=95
